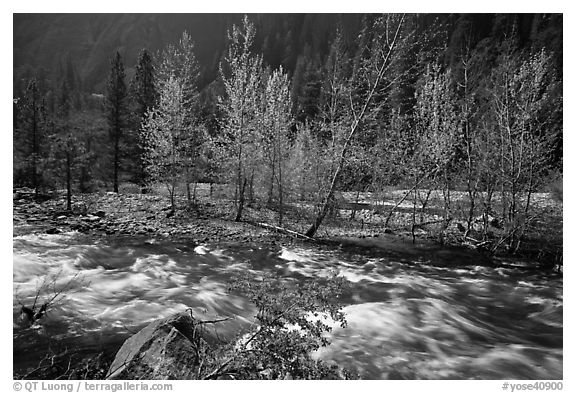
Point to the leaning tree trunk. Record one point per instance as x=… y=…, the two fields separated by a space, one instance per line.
x=357 y=119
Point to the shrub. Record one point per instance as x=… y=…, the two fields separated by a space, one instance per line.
x=293 y=320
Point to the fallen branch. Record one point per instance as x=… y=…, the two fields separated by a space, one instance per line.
x=283 y=230
x=200 y=322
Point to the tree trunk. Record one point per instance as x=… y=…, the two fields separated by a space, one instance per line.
x=280 y=196
x=34 y=150
x=143 y=177
x=251 y=189
x=68 y=182
x=271 y=189
x=389 y=217
x=472 y=200
x=187 y=180
x=354 y=208
x=116 y=158
x=172 y=203
x=241 y=200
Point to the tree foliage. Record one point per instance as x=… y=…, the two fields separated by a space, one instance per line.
x=165 y=132
x=242 y=76
x=291 y=323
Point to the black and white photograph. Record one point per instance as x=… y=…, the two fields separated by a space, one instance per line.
x=287 y=196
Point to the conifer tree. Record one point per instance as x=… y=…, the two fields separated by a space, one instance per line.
x=66 y=147
x=116 y=112
x=144 y=98
x=28 y=138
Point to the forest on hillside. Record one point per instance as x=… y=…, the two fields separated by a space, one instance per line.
x=289 y=108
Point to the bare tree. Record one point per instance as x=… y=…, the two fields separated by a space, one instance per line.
x=49 y=292
x=389 y=33
x=519 y=92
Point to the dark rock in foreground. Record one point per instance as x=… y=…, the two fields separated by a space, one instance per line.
x=165 y=349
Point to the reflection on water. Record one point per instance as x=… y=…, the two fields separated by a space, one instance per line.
x=404 y=321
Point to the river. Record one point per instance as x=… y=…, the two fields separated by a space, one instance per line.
x=407 y=319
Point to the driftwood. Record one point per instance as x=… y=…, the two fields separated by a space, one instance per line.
x=283 y=230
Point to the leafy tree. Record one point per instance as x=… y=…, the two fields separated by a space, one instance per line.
x=520 y=93
x=438 y=128
x=389 y=33
x=179 y=61
x=163 y=131
x=307 y=165
x=274 y=133
x=241 y=74
x=116 y=112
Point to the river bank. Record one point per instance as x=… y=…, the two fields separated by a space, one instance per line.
x=209 y=221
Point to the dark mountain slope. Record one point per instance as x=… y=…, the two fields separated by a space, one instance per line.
x=47 y=44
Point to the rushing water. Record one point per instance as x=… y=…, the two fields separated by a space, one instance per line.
x=405 y=320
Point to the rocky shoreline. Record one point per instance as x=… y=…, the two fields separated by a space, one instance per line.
x=110 y=214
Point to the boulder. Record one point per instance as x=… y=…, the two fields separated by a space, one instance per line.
x=165 y=349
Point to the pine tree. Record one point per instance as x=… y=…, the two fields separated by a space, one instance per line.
x=66 y=148
x=116 y=112
x=29 y=135
x=144 y=97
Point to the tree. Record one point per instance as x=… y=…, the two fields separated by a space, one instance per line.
x=29 y=134
x=144 y=97
x=179 y=61
x=520 y=91
x=306 y=165
x=116 y=111
x=67 y=151
x=274 y=133
x=389 y=33
x=241 y=74
x=438 y=131
x=163 y=131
